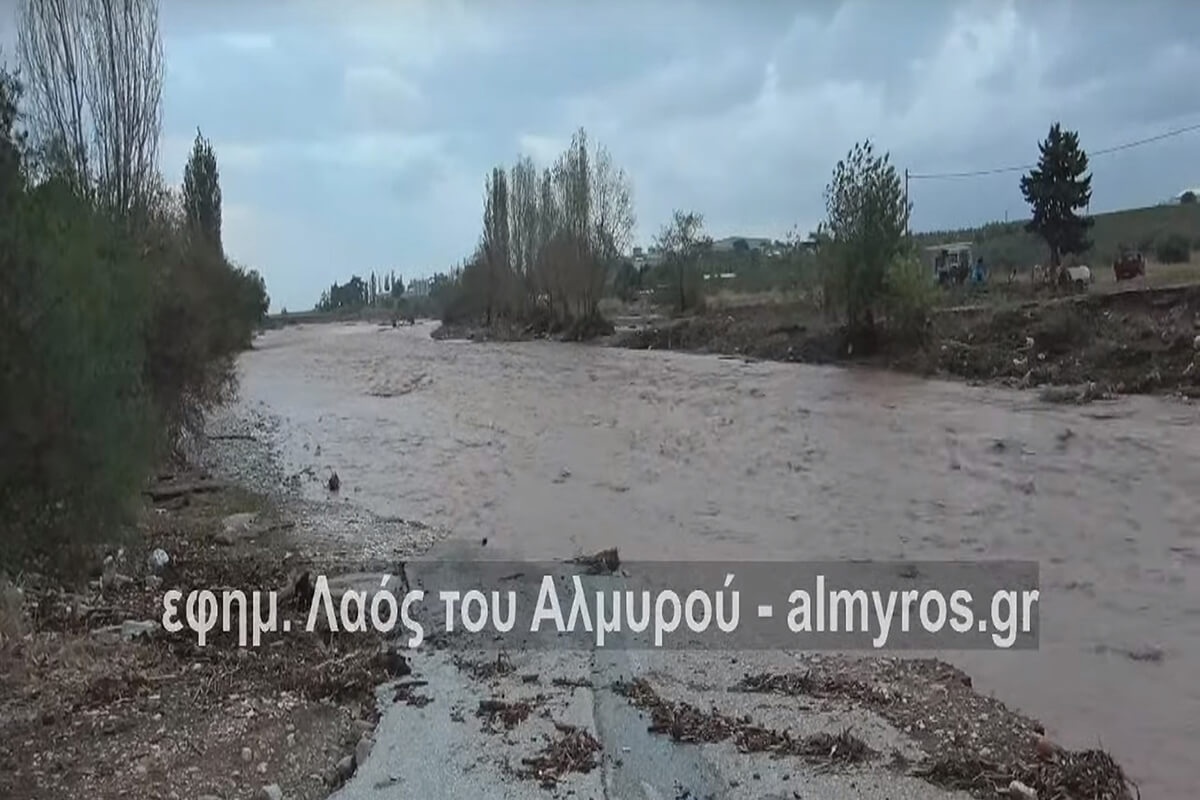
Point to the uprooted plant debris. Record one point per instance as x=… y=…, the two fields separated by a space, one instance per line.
x=843 y=746
x=605 y=562
x=686 y=723
x=1082 y=775
x=574 y=750
x=507 y=713
x=973 y=743
x=487 y=669
x=406 y=693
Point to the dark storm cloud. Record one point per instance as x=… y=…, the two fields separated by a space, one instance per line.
x=356 y=135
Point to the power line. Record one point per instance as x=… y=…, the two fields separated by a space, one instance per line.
x=1022 y=167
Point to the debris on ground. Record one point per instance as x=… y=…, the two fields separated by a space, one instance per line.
x=605 y=562
x=406 y=693
x=508 y=713
x=488 y=669
x=94 y=677
x=840 y=747
x=973 y=743
x=574 y=750
x=684 y=722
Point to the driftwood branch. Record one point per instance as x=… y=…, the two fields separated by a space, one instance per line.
x=159 y=493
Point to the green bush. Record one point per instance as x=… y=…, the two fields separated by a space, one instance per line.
x=77 y=428
x=1173 y=249
x=909 y=296
x=117 y=332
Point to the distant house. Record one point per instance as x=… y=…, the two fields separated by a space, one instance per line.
x=646 y=258
x=731 y=243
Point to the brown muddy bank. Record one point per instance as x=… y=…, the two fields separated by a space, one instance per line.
x=1124 y=343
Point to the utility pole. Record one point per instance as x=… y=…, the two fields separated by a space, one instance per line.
x=907 y=209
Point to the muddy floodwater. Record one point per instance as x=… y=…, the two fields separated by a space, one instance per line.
x=550 y=449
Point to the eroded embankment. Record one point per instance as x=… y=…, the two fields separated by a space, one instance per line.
x=1125 y=342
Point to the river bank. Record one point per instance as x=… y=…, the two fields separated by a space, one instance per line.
x=1076 y=348
x=1094 y=344
x=99 y=700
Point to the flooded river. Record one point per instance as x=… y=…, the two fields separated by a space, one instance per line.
x=552 y=449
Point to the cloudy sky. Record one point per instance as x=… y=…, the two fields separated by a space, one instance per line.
x=356 y=135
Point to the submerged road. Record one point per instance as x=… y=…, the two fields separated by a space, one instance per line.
x=549 y=450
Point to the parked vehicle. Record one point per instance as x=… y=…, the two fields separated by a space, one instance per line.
x=1129 y=265
x=951 y=262
x=1078 y=277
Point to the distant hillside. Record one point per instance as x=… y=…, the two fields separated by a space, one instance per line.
x=1004 y=245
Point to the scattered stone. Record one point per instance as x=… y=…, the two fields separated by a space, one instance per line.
x=335 y=483
x=1196 y=342
x=1046 y=749
x=604 y=562
x=345 y=768
x=261 y=769
x=394 y=661
x=270 y=792
x=128 y=631
x=153 y=583
x=236 y=526
x=1150 y=653
x=247 y=755
x=158 y=560
x=362 y=750
x=115 y=581
x=1019 y=791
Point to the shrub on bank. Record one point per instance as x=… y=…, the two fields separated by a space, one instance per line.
x=909 y=297
x=1173 y=249
x=74 y=410
x=117 y=331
